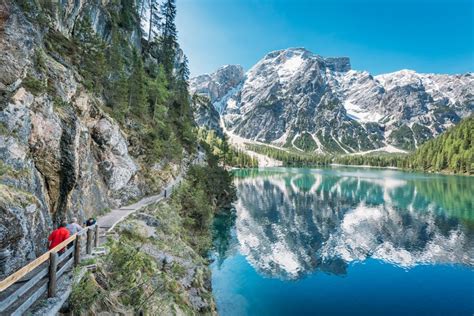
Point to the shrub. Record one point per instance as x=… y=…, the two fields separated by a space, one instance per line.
x=34 y=85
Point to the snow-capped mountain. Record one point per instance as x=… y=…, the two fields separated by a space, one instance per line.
x=294 y=98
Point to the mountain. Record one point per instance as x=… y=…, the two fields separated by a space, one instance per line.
x=294 y=98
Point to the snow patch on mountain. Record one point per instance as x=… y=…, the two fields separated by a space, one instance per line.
x=359 y=114
x=227 y=100
x=289 y=67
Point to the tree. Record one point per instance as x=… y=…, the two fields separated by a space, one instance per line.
x=137 y=87
x=182 y=76
x=128 y=14
x=118 y=97
x=92 y=59
x=154 y=20
x=116 y=86
x=158 y=93
x=225 y=149
x=169 y=36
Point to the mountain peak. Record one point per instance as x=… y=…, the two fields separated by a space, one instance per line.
x=299 y=54
x=236 y=72
x=217 y=84
x=288 y=51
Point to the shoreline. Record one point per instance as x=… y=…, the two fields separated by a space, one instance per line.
x=366 y=167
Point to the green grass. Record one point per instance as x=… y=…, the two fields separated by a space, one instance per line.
x=34 y=85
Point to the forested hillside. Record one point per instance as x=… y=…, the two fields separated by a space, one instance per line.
x=291 y=157
x=452 y=151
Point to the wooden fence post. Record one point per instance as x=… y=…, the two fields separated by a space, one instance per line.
x=77 y=251
x=89 y=241
x=53 y=264
x=96 y=237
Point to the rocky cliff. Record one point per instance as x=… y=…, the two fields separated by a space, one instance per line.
x=294 y=98
x=205 y=115
x=61 y=154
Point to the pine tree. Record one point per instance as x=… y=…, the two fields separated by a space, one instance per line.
x=116 y=86
x=137 y=88
x=169 y=36
x=182 y=76
x=158 y=93
x=225 y=149
x=128 y=14
x=154 y=20
x=119 y=97
x=91 y=58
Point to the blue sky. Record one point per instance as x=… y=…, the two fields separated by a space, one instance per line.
x=379 y=36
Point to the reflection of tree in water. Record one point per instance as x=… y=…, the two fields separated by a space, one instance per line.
x=454 y=194
x=289 y=225
x=222 y=234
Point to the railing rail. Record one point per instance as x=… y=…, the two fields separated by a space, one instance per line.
x=45 y=278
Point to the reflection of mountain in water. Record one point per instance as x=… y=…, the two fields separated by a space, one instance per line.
x=291 y=224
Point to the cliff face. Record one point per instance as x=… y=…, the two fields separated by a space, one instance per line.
x=60 y=154
x=205 y=115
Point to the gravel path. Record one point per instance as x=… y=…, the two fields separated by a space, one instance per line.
x=108 y=221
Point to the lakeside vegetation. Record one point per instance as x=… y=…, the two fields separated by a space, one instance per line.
x=291 y=158
x=228 y=155
x=451 y=152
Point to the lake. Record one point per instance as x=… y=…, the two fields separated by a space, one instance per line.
x=346 y=241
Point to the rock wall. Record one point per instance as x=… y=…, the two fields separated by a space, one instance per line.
x=60 y=154
x=205 y=115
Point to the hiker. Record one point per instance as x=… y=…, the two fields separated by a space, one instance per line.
x=73 y=226
x=58 y=236
x=91 y=221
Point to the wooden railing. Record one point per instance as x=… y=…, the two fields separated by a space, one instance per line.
x=43 y=276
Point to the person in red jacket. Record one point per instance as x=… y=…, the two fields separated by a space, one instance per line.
x=58 y=236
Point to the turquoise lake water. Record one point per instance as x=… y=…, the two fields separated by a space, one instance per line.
x=346 y=241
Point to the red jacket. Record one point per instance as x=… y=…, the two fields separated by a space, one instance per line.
x=58 y=236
